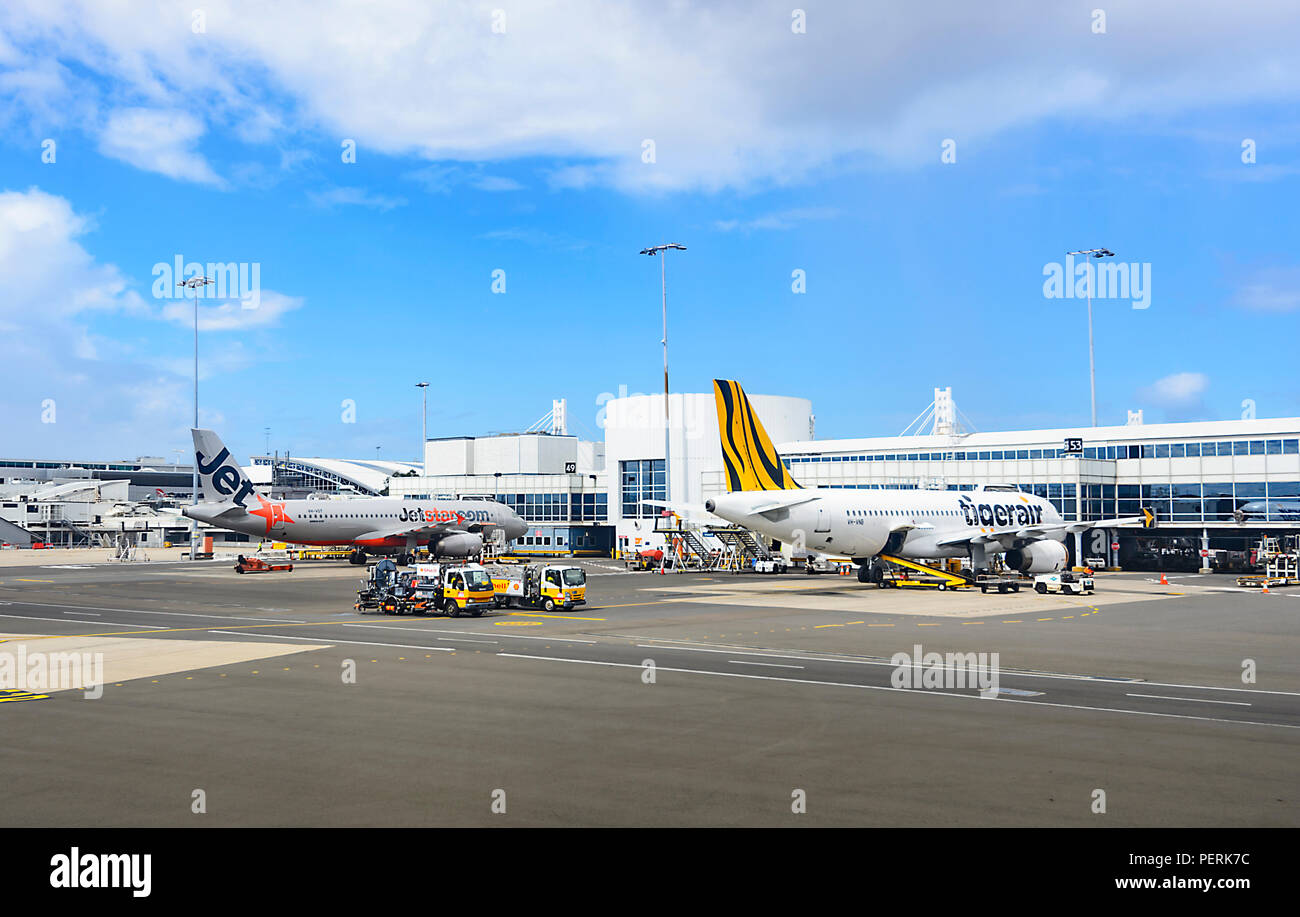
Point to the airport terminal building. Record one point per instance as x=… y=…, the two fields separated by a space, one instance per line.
x=1216 y=487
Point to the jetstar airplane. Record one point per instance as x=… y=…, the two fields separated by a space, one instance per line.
x=866 y=525
x=375 y=525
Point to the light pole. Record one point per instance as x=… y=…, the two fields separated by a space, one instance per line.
x=424 y=424
x=663 y=282
x=1092 y=365
x=194 y=285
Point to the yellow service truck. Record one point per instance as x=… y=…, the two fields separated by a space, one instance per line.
x=452 y=589
x=545 y=586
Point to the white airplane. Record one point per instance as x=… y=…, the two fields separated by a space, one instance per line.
x=378 y=525
x=868 y=524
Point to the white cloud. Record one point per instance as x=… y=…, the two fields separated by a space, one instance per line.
x=112 y=395
x=785 y=219
x=728 y=93
x=1271 y=290
x=355 y=197
x=158 y=141
x=44 y=271
x=232 y=314
x=1180 y=394
x=441 y=178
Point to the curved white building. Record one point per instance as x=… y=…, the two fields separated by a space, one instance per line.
x=634 y=449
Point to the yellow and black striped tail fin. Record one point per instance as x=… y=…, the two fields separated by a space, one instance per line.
x=750 y=458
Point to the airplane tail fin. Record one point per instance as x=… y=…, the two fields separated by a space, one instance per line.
x=221 y=480
x=751 y=461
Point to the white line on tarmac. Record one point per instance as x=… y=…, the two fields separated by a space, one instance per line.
x=773 y=665
x=1102 y=679
x=1195 y=700
x=400 y=646
x=75 y=621
x=422 y=630
x=141 y=611
x=472 y=633
x=841 y=684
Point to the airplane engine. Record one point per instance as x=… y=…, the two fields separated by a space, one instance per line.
x=463 y=545
x=1038 y=557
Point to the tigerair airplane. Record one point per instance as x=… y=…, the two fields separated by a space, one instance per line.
x=371 y=525
x=869 y=525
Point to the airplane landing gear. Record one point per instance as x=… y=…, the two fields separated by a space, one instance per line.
x=357 y=558
x=870 y=571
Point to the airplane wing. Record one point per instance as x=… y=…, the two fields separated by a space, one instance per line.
x=424 y=529
x=1009 y=537
x=908 y=525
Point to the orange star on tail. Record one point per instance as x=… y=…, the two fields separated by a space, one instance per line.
x=271 y=512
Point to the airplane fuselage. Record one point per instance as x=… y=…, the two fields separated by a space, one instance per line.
x=911 y=524
x=321 y=522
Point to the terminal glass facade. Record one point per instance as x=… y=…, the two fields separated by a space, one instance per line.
x=558 y=507
x=641 y=479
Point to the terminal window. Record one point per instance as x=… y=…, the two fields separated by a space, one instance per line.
x=641 y=479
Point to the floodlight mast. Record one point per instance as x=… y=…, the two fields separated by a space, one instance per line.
x=1092 y=363
x=663 y=281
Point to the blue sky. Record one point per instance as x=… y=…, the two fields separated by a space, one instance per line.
x=522 y=151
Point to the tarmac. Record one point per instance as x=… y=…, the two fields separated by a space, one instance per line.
x=688 y=699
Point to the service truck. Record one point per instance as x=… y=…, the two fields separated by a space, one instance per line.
x=545 y=586
x=449 y=589
x=452 y=589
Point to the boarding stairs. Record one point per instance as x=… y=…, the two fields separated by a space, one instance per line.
x=743 y=540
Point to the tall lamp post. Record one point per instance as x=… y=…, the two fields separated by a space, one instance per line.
x=1092 y=365
x=424 y=425
x=194 y=285
x=663 y=282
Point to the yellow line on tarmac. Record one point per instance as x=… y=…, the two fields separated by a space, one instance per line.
x=525 y=614
x=633 y=605
x=815 y=626
x=878 y=625
x=919 y=624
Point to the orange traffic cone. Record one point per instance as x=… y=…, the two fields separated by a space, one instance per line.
x=1264 y=591
x=1164 y=580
